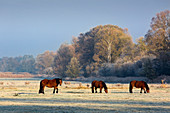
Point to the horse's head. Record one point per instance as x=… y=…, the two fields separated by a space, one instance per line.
x=147 y=87
x=106 y=91
x=105 y=87
x=60 y=81
x=147 y=90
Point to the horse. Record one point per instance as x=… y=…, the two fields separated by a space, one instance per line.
x=50 y=84
x=139 y=84
x=99 y=84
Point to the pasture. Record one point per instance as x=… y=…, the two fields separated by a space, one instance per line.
x=18 y=96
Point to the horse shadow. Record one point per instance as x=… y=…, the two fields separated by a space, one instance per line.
x=74 y=92
x=120 y=92
x=26 y=93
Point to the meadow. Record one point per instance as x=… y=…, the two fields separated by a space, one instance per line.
x=18 y=96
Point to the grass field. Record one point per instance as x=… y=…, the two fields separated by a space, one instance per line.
x=18 y=96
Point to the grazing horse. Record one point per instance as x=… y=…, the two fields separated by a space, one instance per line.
x=99 y=84
x=139 y=84
x=50 y=83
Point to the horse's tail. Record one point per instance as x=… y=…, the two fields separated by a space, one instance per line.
x=146 y=85
x=130 y=87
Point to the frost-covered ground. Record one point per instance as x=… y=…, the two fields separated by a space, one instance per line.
x=22 y=96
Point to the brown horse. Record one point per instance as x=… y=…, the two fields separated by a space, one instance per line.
x=139 y=84
x=50 y=83
x=99 y=84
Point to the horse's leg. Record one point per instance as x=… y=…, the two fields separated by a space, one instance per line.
x=100 y=89
x=131 y=89
x=54 y=90
x=144 y=90
x=141 y=90
x=96 y=89
x=42 y=89
x=92 y=89
x=57 y=90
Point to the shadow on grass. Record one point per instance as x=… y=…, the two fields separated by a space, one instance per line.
x=68 y=100
x=73 y=109
x=51 y=109
x=27 y=93
x=74 y=92
x=119 y=92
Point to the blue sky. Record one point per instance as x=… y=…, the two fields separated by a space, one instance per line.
x=31 y=27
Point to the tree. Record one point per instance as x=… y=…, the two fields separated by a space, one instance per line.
x=141 y=46
x=148 y=69
x=24 y=63
x=102 y=44
x=110 y=42
x=73 y=68
x=62 y=59
x=27 y=64
x=158 y=40
x=158 y=37
x=84 y=48
x=44 y=62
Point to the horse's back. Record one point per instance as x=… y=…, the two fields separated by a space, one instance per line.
x=138 y=84
x=95 y=83
x=44 y=81
x=48 y=83
x=132 y=83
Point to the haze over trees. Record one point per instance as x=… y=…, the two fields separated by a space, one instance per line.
x=105 y=50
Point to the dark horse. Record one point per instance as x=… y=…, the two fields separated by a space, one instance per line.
x=139 y=84
x=99 y=84
x=50 y=83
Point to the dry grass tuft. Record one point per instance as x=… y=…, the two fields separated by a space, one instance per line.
x=1 y=83
x=27 y=83
x=16 y=94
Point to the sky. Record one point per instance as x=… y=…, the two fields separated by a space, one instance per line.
x=31 y=27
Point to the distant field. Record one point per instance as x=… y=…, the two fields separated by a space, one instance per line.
x=22 y=96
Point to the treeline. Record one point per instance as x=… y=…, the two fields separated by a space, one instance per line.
x=25 y=63
x=106 y=50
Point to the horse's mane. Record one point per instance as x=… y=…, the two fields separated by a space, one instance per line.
x=104 y=85
x=146 y=85
x=58 y=79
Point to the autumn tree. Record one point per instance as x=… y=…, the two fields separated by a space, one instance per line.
x=44 y=62
x=102 y=44
x=110 y=41
x=158 y=37
x=62 y=59
x=139 y=49
x=73 y=68
x=84 y=48
x=141 y=46
x=158 y=40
